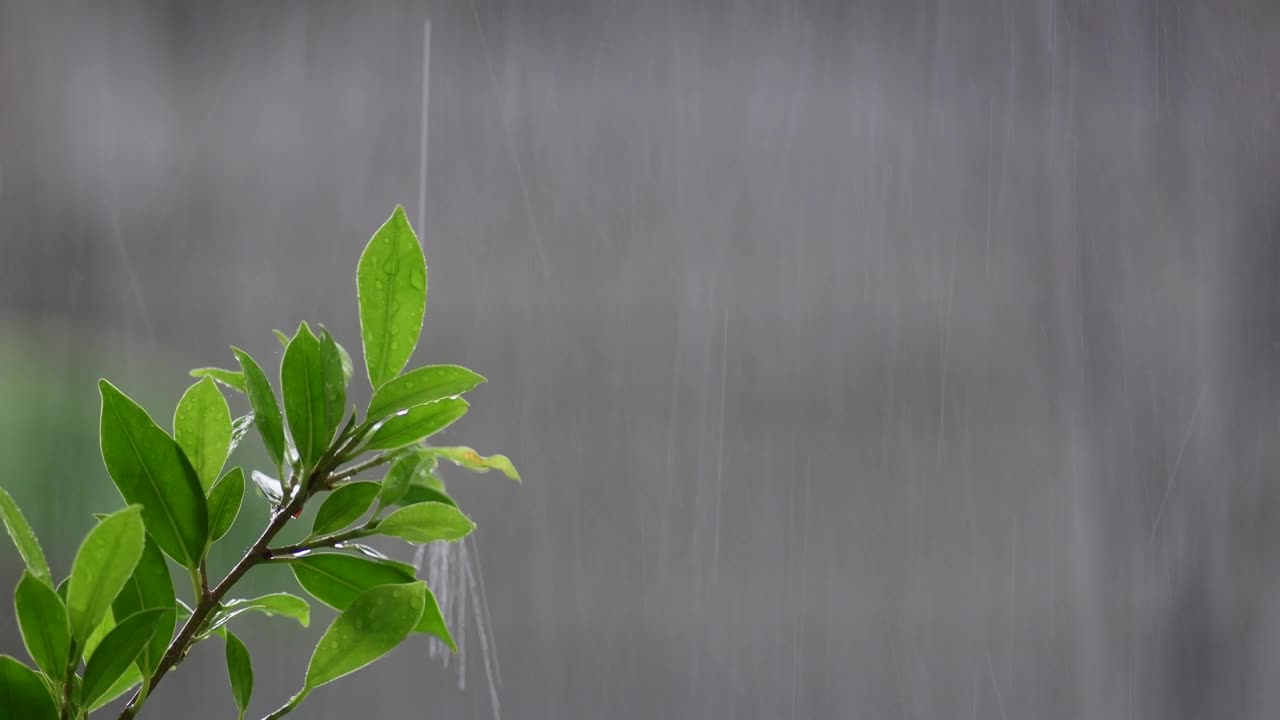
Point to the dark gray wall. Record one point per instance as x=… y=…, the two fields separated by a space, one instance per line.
x=867 y=359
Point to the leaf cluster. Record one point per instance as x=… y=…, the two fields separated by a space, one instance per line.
x=116 y=624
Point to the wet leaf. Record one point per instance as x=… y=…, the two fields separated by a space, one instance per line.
x=103 y=565
x=307 y=396
x=432 y=622
x=417 y=423
x=151 y=470
x=117 y=651
x=336 y=579
x=335 y=382
x=427 y=492
x=412 y=467
x=344 y=506
x=266 y=412
x=427 y=522
x=24 y=538
x=202 y=427
x=421 y=386
x=22 y=693
x=275 y=604
x=225 y=498
x=375 y=622
x=348 y=369
x=233 y=379
x=150 y=587
x=239 y=673
x=46 y=632
x=391 y=283
x=472 y=460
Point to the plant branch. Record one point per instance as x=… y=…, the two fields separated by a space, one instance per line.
x=289 y=706
x=369 y=464
x=207 y=602
x=322 y=542
x=68 y=683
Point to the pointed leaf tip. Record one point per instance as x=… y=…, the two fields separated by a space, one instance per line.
x=24 y=538
x=391 y=286
x=376 y=621
x=150 y=469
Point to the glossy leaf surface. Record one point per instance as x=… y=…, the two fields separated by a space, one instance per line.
x=375 y=622
x=266 y=412
x=225 y=498
x=151 y=470
x=23 y=538
x=150 y=587
x=42 y=618
x=344 y=506
x=420 y=386
x=417 y=423
x=102 y=566
x=391 y=283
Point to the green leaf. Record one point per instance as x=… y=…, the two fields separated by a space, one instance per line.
x=117 y=651
x=269 y=486
x=266 y=413
x=426 y=492
x=23 y=538
x=348 y=369
x=107 y=625
x=432 y=622
x=376 y=621
x=102 y=566
x=344 y=506
x=22 y=693
x=202 y=427
x=411 y=467
x=335 y=380
x=239 y=672
x=275 y=604
x=417 y=423
x=472 y=460
x=336 y=580
x=281 y=336
x=391 y=283
x=306 y=396
x=42 y=617
x=150 y=469
x=427 y=522
x=225 y=498
x=131 y=677
x=150 y=587
x=233 y=379
x=421 y=386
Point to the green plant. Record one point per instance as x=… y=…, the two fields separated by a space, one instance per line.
x=110 y=626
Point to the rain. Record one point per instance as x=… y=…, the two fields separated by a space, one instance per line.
x=861 y=359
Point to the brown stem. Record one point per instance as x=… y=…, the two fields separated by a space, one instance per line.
x=324 y=542
x=209 y=601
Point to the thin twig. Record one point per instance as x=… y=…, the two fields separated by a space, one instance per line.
x=323 y=542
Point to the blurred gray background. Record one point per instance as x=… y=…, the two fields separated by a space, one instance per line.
x=863 y=359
